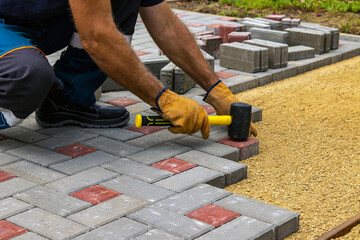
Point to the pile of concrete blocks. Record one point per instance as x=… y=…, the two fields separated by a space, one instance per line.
x=175 y=79
x=290 y=23
x=251 y=23
x=244 y=57
x=334 y=33
x=277 y=52
x=318 y=40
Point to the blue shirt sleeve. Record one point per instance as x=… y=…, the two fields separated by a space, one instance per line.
x=149 y=3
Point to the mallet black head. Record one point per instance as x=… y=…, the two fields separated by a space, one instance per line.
x=241 y=120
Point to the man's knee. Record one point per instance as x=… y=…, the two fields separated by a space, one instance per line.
x=25 y=79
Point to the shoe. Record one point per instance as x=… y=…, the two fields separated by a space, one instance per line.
x=61 y=113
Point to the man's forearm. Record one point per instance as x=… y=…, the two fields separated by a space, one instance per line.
x=109 y=49
x=175 y=40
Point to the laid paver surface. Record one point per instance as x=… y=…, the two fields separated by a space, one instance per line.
x=69 y=182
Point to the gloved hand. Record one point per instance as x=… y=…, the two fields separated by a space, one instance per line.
x=221 y=98
x=186 y=115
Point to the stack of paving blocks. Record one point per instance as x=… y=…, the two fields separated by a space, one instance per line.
x=290 y=23
x=277 y=52
x=244 y=57
x=334 y=32
x=310 y=38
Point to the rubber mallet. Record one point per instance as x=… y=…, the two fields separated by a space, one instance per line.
x=238 y=121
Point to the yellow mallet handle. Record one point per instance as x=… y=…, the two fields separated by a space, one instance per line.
x=159 y=121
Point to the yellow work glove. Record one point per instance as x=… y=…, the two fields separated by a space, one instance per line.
x=221 y=98
x=186 y=115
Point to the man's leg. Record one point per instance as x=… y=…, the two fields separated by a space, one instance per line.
x=25 y=76
x=76 y=104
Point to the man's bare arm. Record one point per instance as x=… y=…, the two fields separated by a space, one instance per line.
x=109 y=49
x=175 y=40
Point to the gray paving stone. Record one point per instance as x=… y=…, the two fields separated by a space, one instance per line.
x=48 y=224
x=241 y=83
x=334 y=33
x=138 y=189
x=217 y=132
x=108 y=211
x=171 y=222
x=32 y=172
x=61 y=131
x=191 y=178
x=300 y=52
x=122 y=228
x=7 y=159
x=193 y=199
x=83 y=163
x=138 y=108
x=82 y=180
x=11 y=206
x=156 y=234
x=213 y=148
x=64 y=140
x=13 y=186
x=284 y=73
x=23 y=134
x=182 y=81
x=286 y=221
x=156 y=138
x=167 y=75
x=158 y=153
x=242 y=228
x=29 y=236
x=8 y=144
x=256 y=114
x=156 y=64
x=234 y=172
x=56 y=202
x=348 y=50
x=251 y=24
x=137 y=170
x=114 y=147
x=37 y=155
x=263 y=78
x=321 y=61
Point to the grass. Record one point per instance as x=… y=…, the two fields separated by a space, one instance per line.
x=309 y=5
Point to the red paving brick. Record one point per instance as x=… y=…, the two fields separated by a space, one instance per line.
x=95 y=194
x=75 y=150
x=225 y=75
x=208 y=109
x=123 y=102
x=181 y=15
x=146 y=130
x=213 y=215
x=195 y=25
x=9 y=230
x=248 y=148
x=174 y=165
x=229 y=19
x=4 y=176
x=141 y=53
